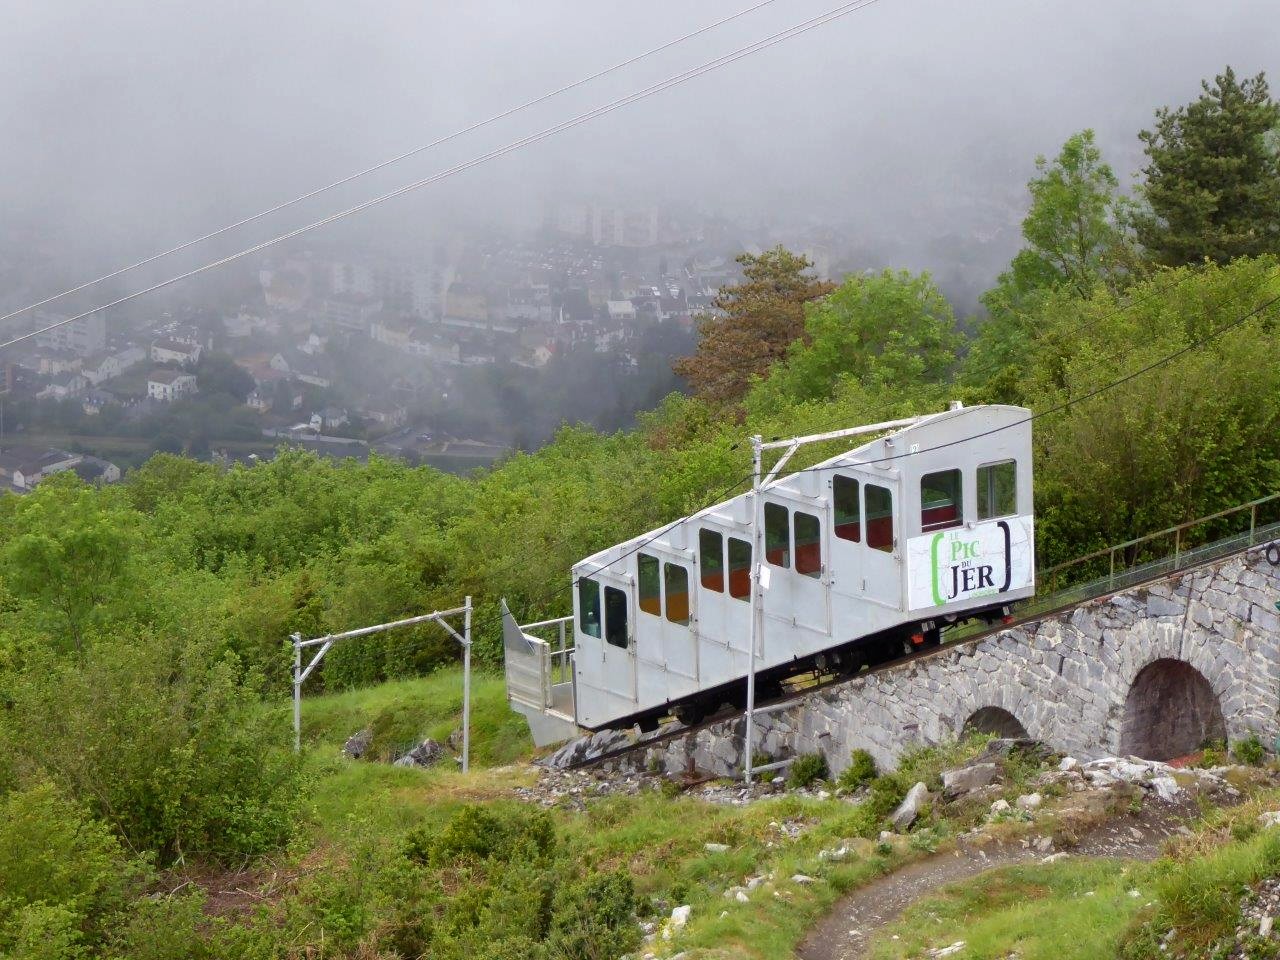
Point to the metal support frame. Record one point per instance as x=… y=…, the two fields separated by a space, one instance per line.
x=325 y=643
x=758 y=484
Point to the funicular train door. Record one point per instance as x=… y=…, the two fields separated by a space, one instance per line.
x=865 y=551
x=605 y=613
x=668 y=606
x=724 y=596
x=796 y=550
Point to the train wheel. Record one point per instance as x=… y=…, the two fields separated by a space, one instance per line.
x=647 y=724
x=767 y=690
x=690 y=713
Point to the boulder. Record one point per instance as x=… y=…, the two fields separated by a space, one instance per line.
x=426 y=754
x=915 y=801
x=679 y=919
x=357 y=744
x=1029 y=802
x=967 y=779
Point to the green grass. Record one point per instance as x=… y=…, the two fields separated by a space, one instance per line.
x=1062 y=911
x=404 y=712
x=1187 y=903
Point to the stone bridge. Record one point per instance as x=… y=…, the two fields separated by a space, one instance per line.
x=1153 y=671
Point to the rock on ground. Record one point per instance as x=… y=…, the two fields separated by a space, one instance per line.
x=917 y=797
x=426 y=754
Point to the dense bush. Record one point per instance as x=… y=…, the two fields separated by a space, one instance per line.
x=1249 y=750
x=807 y=769
x=162 y=739
x=861 y=769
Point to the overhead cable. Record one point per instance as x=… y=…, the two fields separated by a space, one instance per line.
x=393 y=160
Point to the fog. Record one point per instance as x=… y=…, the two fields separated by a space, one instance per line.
x=133 y=125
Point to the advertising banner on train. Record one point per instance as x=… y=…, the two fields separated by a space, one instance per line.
x=968 y=563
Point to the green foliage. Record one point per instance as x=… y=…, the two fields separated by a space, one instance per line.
x=1249 y=751
x=1074 y=240
x=807 y=769
x=482 y=833
x=1214 y=754
x=886 y=330
x=67 y=555
x=861 y=770
x=1213 y=176
x=761 y=318
x=595 y=918
x=58 y=864
x=162 y=739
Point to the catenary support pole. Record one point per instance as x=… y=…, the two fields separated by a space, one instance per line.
x=757 y=599
x=297 y=692
x=466 y=687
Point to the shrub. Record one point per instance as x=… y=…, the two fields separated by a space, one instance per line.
x=1214 y=754
x=595 y=918
x=806 y=769
x=886 y=793
x=483 y=833
x=64 y=876
x=164 y=739
x=861 y=769
x=1249 y=751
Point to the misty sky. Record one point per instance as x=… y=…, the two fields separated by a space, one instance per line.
x=132 y=125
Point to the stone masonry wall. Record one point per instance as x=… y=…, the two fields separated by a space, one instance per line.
x=1066 y=678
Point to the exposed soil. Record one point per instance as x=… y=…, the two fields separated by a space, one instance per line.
x=847 y=931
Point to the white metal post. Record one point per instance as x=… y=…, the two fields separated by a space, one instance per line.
x=297 y=692
x=466 y=687
x=757 y=597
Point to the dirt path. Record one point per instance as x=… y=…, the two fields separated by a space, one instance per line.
x=846 y=933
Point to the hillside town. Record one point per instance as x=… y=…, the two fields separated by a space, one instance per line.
x=350 y=351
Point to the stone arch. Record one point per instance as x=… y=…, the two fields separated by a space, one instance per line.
x=996 y=720
x=1170 y=711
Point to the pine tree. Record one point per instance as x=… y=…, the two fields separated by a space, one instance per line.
x=761 y=317
x=1213 y=176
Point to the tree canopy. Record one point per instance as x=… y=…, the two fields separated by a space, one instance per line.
x=1212 y=187
x=761 y=317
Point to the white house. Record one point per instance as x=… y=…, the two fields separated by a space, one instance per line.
x=63 y=385
x=621 y=310
x=26 y=466
x=169 y=385
x=169 y=350
x=106 y=366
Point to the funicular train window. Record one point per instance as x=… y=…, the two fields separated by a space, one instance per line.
x=615 y=617
x=940 y=500
x=676 y=580
x=777 y=535
x=739 y=569
x=808 y=541
x=997 y=490
x=711 y=560
x=589 y=607
x=879 y=517
x=844 y=496
x=650 y=584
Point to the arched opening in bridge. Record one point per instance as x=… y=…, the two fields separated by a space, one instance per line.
x=1171 y=711
x=998 y=721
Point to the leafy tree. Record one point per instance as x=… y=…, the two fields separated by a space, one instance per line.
x=1181 y=441
x=68 y=553
x=1074 y=240
x=164 y=739
x=893 y=329
x=219 y=373
x=762 y=316
x=1213 y=176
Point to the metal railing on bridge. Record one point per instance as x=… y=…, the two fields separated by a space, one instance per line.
x=1148 y=557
